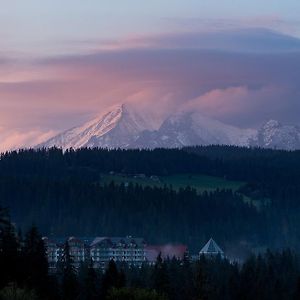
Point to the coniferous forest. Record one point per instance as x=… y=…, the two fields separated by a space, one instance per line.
x=24 y=275
x=63 y=194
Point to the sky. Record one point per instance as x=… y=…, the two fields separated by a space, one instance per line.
x=64 y=61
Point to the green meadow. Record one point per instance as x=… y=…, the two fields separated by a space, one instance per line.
x=199 y=182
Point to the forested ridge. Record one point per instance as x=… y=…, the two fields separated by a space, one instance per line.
x=62 y=193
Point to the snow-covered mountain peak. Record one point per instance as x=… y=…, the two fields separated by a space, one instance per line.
x=271 y=124
x=273 y=134
x=187 y=128
x=103 y=123
x=113 y=128
x=126 y=126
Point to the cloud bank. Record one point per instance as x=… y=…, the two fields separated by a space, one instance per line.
x=242 y=77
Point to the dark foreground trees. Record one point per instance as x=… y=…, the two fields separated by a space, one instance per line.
x=24 y=276
x=62 y=192
x=23 y=264
x=134 y=294
x=13 y=292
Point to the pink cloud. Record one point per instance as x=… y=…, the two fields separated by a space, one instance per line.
x=11 y=140
x=236 y=103
x=244 y=88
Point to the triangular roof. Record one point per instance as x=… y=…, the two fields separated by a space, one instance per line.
x=211 y=247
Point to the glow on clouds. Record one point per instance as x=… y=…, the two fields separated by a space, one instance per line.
x=160 y=75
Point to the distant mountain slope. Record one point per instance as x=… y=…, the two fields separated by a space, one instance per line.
x=121 y=126
x=192 y=128
x=277 y=136
x=118 y=127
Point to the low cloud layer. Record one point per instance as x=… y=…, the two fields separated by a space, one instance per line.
x=14 y=139
x=242 y=77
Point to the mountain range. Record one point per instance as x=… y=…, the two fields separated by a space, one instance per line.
x=121 y=126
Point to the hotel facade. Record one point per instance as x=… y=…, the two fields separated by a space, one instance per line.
x=132 y=251
x=99 y=251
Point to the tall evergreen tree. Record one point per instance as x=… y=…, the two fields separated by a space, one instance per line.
x=89 y=282
x=161 y=281
x=201 y=280
x=297 y=290
x=69 y=285
x=4 y=217
x=35 y=262
x=10 y=261
x=112 y=278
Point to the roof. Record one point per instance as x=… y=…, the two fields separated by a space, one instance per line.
x=211 y=247
x=115 y=241
x=93 y=241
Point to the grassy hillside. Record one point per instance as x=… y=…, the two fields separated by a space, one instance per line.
x=199 y=182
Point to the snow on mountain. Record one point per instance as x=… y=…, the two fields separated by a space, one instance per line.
x=275 y=135
x=117 y=127
x=121 y=126
x=192 y=128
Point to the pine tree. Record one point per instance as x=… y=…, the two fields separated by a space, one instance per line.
x=9 y=256
x=160 y=276
x=297 y=290
x=35 y=262
x=89 y=282
x=112 y=278
x=70 y=286
x=201 y=282
x=4 y=217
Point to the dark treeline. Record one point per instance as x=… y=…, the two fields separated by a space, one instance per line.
x=24 y=276
x=62 y=193
x=272 y=173
x=160 y=215
x=269 y=173
x=56 y=163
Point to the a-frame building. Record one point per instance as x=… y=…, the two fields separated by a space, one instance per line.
x=211 y=248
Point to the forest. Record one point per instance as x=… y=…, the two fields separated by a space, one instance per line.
x=24 y=275
x=62 y=193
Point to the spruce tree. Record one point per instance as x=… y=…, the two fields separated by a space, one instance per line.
x=112 y=278
x=201 y=282
x=9 y=256
x=161 y=281
x=35 y=262
x=89 y=285
x=69 y=286
x=4 y=217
